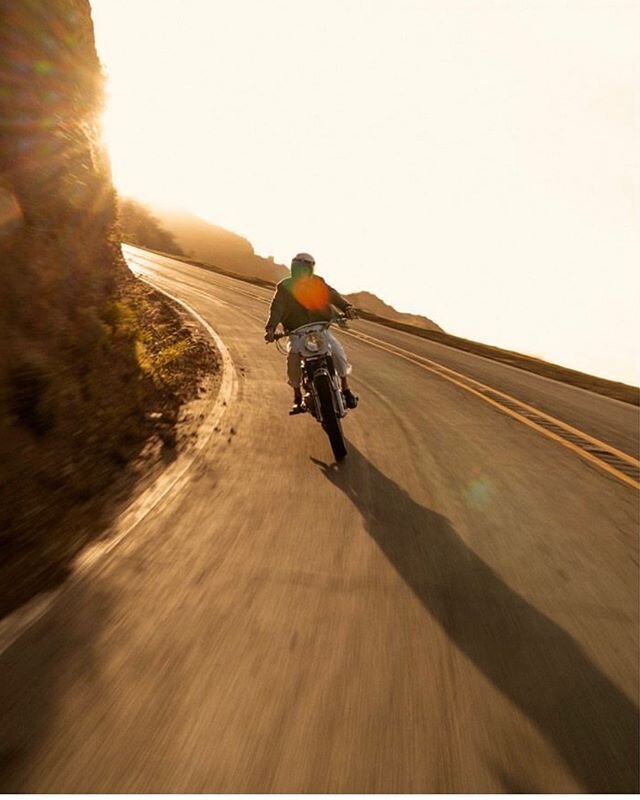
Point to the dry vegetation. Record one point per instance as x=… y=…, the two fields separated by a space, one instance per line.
x=93 y=365
x=139 y=226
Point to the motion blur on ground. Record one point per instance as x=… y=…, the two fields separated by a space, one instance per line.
x=87 y=353
x=453 y=609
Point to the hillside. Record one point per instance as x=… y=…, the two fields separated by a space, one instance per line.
x=139 y=226
x=214 y=245
x=370 y=302
x=87 y=352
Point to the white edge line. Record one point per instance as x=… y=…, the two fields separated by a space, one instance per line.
x=13 y=626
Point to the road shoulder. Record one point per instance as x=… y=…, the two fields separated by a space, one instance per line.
x=31 y=580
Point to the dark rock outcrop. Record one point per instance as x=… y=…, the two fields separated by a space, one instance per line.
x=64 y=357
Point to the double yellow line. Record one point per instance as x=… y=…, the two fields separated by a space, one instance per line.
x=480 y=390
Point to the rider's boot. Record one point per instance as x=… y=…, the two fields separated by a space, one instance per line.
x=350 y=399
x=297 y=407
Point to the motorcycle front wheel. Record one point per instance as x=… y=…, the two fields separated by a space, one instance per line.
x=330 y=422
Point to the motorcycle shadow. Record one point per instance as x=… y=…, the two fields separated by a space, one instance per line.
x=525 y=654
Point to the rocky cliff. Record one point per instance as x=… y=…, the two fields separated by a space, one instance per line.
x=76 y=329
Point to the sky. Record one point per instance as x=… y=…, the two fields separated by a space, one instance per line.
x=475 y=161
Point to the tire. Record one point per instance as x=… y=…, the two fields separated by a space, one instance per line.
x=330 y=422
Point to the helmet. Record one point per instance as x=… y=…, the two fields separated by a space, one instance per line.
x=304 y=259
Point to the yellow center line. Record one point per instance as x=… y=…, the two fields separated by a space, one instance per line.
x=587 y=437
x=439 y=369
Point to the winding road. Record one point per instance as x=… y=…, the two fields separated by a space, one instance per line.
x=453 y=609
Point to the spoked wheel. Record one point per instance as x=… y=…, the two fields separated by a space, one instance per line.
x=330 y=422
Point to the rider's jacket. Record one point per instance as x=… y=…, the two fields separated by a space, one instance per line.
x=298 y=301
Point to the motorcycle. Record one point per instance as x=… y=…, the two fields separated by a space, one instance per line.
x=321 y=388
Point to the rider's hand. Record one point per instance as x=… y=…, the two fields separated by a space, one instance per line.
x=270 y=335
x=351 y=313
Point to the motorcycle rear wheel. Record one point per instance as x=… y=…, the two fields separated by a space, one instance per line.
x=330 y=421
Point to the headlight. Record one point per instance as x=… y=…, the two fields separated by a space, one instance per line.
x=313 y=342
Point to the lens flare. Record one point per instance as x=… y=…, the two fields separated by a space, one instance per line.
x=479 y=493
x=10 y=212
x=311 y=292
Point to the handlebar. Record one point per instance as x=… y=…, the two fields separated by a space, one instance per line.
x=340 y=320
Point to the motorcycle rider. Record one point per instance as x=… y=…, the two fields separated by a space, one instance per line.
x=298 y=300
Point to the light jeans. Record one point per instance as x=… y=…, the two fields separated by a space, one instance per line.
x=294 y=360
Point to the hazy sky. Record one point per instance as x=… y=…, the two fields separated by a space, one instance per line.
x=477 y=161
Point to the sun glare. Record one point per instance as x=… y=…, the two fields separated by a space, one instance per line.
x=427 y=152
x=137 y=149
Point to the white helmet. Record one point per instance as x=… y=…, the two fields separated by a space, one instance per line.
x=303 y=258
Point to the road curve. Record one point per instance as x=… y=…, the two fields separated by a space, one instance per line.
x=455 y=609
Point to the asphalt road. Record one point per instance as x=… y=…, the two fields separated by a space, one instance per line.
x=455 y=609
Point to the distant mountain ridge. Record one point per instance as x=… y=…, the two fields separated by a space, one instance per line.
x=372 y=303
x=214 y=245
